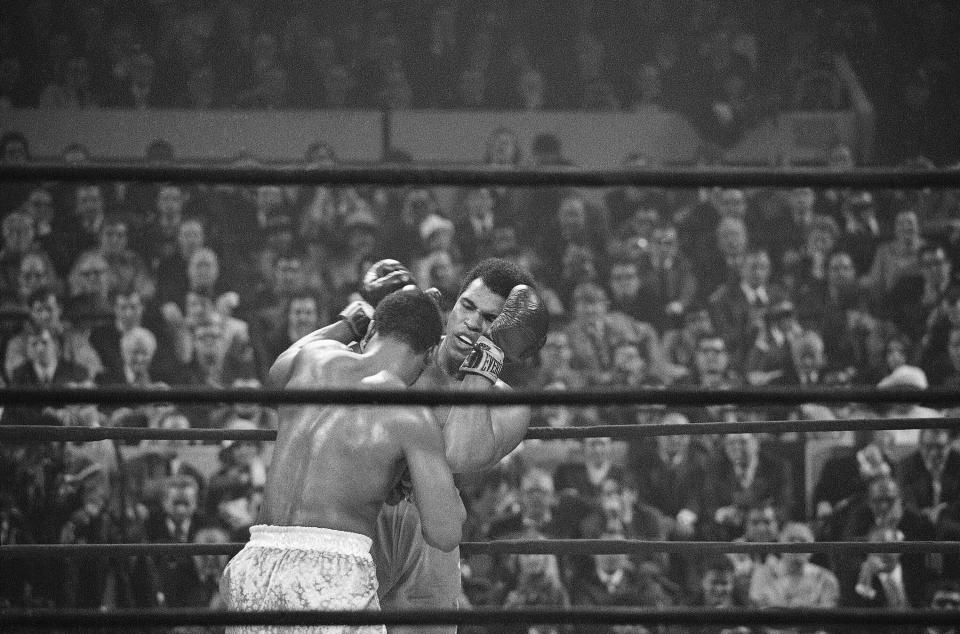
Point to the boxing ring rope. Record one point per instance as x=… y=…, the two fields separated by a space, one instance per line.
x=605 y=397
x=474 y=176
x=170 y=617
x=508 y=547
x=396 y=175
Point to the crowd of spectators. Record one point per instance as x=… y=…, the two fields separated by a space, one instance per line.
x=163 y=285
x=725 y=65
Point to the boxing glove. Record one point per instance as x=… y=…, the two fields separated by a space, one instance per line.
x=382 y=278
x=518 y=332
x=357 y=315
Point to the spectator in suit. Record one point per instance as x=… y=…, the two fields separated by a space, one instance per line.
x=746 y=475
x=205 y=593
x=172 y=283
x=929 y=478
x=147 y=472
x=881 y=580
x=952 y=380
x=44 y=366
x=771 y=357
x=672 y=276
x=859 y=228
x=760 y=522
x=883 y=517
x=18 y=241
x=46 y=314
x=127 y=267
x=720 y=261
x=594 y=332
x=130 y=311
x=844 y=479
x=473 y=231
x=934 y=353
x=178 y=522
x=585 y=479
x=897 y=258
x=738 y=310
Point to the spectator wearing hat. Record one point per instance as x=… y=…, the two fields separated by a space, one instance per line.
x=860 y=229
x=907 y=378
x=770 y=359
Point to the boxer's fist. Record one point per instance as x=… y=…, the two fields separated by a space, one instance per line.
x=521 y=328
x=383 y=278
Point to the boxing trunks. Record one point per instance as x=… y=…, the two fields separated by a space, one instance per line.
x=302 y=568
x=412 y=573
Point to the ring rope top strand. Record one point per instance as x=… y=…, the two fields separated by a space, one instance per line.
x=608 y=397
x=484 y=175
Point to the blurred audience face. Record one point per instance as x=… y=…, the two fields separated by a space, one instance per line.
x=556 y=352
x=479 y=202
x=190 y=237
x=761 y=525
x=795 y=533
x=34 y=273
x=502 y=145
x=45 y=312
x=756 y=269
x=138 y=354
x=741 y=449
x=800 y=202
x=731 y=237
x=170 y=202
x=203 y=269
x=841 y=272
x=895 y=354
x=934 y=445
x=289 y=275
x=840 y=157
x=113 y=238
x=210 y=566
x=40 y=205
x=712 y=357
x=907 y=227
x=572 y=216
x=89 y=203
x=884 y=499
x=92 y=275
x=179 y=502
x=717 y=588
x=624 y=280
x=303 y=316
x=667 y=244
x=589 y=302
x=128 y=309
x=597 y=451
x=935 y=267
x=18 y=232
x=673 y=449
x=43 y=349
x=732 y=203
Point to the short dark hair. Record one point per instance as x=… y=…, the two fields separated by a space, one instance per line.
x=718 y=562
x=411 y=316
x=499 y=275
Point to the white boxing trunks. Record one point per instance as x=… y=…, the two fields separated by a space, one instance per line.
x=302 y=568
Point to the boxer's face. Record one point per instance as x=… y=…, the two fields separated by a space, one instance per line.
x=476 y=308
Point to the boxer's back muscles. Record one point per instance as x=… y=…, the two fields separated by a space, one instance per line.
x=333 y=466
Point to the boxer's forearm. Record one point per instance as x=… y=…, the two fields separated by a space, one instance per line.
x=279 y=374
x=477 y=437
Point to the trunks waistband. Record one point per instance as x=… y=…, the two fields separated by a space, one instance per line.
x=309 y=538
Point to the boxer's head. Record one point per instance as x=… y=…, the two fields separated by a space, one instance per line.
x=410 y=317
x=481 y=297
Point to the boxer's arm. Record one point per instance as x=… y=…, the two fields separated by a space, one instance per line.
x=441 y=509
x=477 y=437
x=282 y=369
